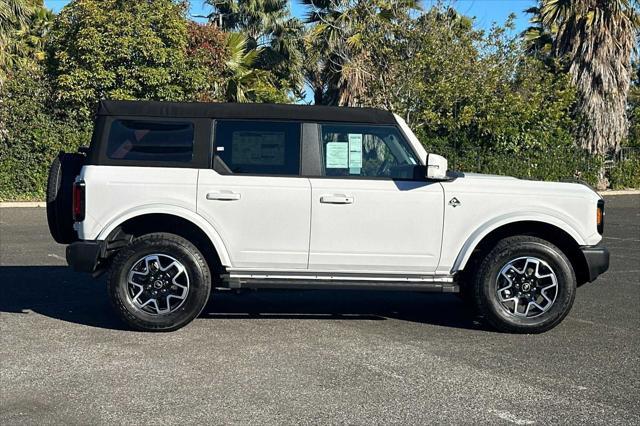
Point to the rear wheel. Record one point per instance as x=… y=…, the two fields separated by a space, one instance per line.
x=160 y=282
x=524 y=285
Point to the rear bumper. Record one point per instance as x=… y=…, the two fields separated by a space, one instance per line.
x=597 y=258
x=84 y=256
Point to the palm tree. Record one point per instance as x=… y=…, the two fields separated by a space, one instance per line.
x=335 y=46
x=269 y=27
x=14 y=15
x=242 y=78
x=596 y=39
x=256 y=18
x=539 y=39
x=33 y=35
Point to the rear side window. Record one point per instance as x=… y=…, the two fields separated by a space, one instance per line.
x=143 y=140
x=258 y=147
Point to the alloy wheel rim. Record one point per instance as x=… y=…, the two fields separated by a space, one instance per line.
x=527 y=287
x=157 y=284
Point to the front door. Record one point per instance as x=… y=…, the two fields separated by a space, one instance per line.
x=369 y=213
x=255 y=198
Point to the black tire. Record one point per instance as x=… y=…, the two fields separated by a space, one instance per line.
x=62 y=173
x=485 y=285
x=181 y=250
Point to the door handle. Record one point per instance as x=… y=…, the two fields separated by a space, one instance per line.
x=336 y=199
x=223 y=196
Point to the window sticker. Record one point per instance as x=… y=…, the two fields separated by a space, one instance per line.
x=355 y=153
x=262 y=148
x=337 y=155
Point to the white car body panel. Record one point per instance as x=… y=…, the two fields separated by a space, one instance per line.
x=488 y=202
x=267 y=226
x=113 y=191
x=116 y=194
x=389 y=226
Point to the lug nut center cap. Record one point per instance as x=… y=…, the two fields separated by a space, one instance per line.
x=526 y=287
x=157 y=284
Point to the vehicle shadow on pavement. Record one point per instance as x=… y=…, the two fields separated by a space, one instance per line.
x=60 y=293
x=57 y=292
x=430 y=308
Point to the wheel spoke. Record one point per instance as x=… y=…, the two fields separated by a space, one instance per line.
x=526 y=311
x=544 y=294
x=157 y=289
x=518 y=287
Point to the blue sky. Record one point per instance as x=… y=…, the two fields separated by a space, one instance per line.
x=485 y=11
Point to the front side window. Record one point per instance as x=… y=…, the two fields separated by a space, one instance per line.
x=258 y=147
x=366 y=151
x=142 y=140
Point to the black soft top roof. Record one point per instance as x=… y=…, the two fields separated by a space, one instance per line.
x=245 y=111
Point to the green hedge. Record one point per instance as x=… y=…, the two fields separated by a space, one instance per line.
x=32 y=135
x=554 y=164
x=625 y=174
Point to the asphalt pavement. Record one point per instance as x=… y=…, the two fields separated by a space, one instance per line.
x=310 y=357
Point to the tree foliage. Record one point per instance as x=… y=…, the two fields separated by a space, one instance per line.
x=596 y=39
x=634 y=108
x=120 y=50
x=34 y=135
x=272 y=32
x=208 y=52
x=460 y=87
x=24 y=25
x=337 y=54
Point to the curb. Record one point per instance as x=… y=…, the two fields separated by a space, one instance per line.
x=622 y=192
x=22 y=204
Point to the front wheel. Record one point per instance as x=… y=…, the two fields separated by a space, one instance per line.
x=524 y=285
x=160 y=282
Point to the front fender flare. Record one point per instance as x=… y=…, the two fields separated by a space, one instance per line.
x=177 y=211
x=491 y=225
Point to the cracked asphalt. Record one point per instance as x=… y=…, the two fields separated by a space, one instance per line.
x=309 y=357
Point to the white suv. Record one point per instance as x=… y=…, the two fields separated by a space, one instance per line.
x=174 y=199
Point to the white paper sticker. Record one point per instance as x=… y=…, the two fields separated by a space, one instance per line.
x=220 y=148
x=337 y=155
x=355 y=153
x=355 y=150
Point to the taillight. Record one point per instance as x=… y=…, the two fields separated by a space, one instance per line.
x=600 y=216
x=78 y=201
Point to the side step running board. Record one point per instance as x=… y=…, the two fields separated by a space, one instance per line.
x=320 y=284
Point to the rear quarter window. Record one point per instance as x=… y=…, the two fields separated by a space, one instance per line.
x=142 y=140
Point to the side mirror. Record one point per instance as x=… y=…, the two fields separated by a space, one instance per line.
x=436 y=167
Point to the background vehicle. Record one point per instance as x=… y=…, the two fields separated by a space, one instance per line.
x=174 y=198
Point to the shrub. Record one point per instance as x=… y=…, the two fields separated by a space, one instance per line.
x=32 y=137
x=112 y=49
x=625 y=174
x=559 y=163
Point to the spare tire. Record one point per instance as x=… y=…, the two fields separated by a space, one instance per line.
x=64 y=169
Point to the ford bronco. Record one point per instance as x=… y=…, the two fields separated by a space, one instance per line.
x=174 y=199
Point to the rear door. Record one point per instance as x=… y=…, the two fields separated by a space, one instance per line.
x=370 y=211
x=255 y=197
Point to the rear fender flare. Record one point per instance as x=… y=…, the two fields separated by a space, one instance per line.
x=180 y=212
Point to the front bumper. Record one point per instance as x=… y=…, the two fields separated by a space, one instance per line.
x=597 y=259
x=84 y=256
